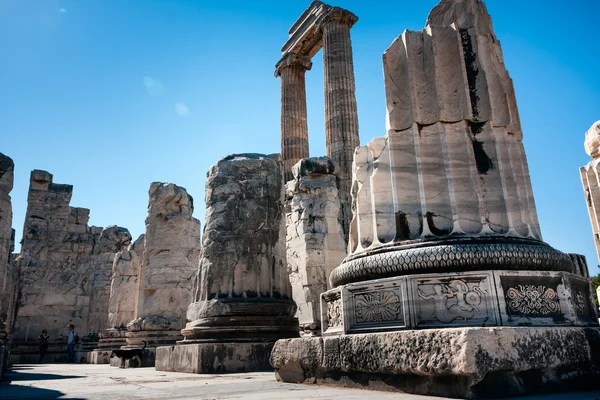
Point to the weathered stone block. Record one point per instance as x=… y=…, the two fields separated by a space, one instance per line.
x=214 y=358
x=459 y=362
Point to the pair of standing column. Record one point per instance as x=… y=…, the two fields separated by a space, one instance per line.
x=341 y=119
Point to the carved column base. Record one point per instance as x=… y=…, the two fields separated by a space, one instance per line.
x=112 y=339
x=239 y=329
x=475 y=362
x=453 y=254
x=478 y=298
x=152 y=338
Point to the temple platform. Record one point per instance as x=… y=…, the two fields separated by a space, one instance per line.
x=453 y=362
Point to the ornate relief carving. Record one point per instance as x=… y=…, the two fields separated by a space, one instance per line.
x=334 y=313
x=579 y=302
x=532 y=299
x=467 y=300
x=377 y=306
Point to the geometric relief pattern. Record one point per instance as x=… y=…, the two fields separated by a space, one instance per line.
x=532 y=299
x=378 y=306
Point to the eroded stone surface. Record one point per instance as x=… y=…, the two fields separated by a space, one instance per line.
x=591 y=181
x=482 y=361
x=214 y=358
x=6 y=234
x=64 y=265
x=315 y=241
x=452 y=162
x=243 y=291
x=321 y=25
x=123 y=287
x=170 y=259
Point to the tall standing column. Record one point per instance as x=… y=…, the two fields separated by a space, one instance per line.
x=341 y=118
x=294 y=128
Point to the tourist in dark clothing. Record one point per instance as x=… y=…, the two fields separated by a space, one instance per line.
x=43 y=342
x=72 y=340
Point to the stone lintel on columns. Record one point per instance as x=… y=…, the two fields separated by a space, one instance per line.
x=304 y=36
x=290 y=59
x=338 y=14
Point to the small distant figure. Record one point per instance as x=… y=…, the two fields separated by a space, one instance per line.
x=72 y=340
x=43 y=342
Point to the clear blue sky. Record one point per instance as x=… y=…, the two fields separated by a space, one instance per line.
x=111 y=95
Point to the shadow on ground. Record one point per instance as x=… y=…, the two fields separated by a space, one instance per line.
x=12 y=392
x=11 y=387
x=16 y=376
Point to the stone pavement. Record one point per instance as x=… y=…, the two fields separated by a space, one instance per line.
x=94 y=382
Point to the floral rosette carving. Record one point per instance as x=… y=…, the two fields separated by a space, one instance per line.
x=377 y=306
x=532 y=299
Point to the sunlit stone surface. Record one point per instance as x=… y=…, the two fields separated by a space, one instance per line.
x=327 y=27
x=64 y=269
x=242 y=302
x=168 y=260
x=315 y=240
x=445 y=235
x=591 y=180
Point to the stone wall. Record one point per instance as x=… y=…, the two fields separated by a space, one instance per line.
x=6 y=231
x=123 y=288
x=64 y=265
x=315 y=239
x=170 y=256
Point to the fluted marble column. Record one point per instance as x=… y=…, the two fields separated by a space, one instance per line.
x=294 y=128
x=590 y=178
x=341 y=118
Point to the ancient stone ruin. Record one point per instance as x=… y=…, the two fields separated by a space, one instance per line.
x=7 y=241
x=444 y=235
x=412 y=263
x=168 y=261
x=591 y=180
x=64 y=270
x=122 y=301
x=327 y=27
x=242 y=300
x=315 y=240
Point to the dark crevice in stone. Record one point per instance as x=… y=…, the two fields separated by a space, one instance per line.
x=402 y=228
x=482 y=160
x=472 y=69
x=435 y=230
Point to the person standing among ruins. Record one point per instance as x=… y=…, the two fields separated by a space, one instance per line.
x=43 y=342
x=72 y=340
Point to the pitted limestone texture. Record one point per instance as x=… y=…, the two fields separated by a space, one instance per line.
x=167 y=268
x=242 y=290
x=463 y=362
x=314 y=240
x=7 y=272
x=65 y=266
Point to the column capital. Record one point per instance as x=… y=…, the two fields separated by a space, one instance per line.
x=338 y=14
x=290 y=59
